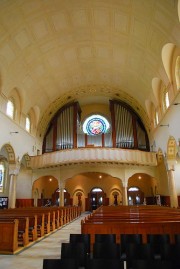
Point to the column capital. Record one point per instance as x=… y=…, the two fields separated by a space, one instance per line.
x=171 y=164
x=125 y=183
x=14 y=169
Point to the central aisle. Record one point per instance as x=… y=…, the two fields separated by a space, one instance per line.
x=48 y=247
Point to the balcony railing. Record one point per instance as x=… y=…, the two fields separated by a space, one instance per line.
x=94 y=155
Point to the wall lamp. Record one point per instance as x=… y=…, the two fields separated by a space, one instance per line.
x=176 y=104
x=14 y=132
x=163 y=125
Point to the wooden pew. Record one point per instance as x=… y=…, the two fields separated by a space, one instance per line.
x=35 y=222
x=8 y=236
x=32 y=221
x=23 y=228
x=132 y=220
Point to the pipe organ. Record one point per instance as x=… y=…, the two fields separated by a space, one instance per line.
x=127 y=130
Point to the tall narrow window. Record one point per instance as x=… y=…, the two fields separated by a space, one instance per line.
x=10 y=109
x=166 y=99
x=28 y=124
x=1 y=177
x=156 y=118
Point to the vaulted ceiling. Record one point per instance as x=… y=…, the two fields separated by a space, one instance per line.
x=55 y=51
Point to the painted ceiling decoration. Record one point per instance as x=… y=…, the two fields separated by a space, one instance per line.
x=54 y=52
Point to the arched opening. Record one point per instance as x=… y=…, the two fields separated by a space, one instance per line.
x=116 y=198
x=97 y=185
x=56 y=198
x=45 y=187
x=135 y=196
x=143 y=189
x=97 y=196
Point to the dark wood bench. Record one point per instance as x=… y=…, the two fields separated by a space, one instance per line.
x=8 y=236
x=23 y=228
x=34 y=222
x=136 y=220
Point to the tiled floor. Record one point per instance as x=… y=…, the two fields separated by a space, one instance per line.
x=49 y=247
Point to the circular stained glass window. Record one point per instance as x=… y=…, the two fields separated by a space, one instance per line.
x=95 y=125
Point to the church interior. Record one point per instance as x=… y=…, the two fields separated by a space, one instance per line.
x=89 y=103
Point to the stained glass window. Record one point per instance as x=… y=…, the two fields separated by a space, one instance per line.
x=96 y=125
x=1 y=177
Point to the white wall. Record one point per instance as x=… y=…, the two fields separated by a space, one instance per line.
x=162 y=134
x=24 y=184
x=22 y=142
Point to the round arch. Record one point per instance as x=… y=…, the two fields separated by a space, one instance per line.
x=8 y=152
x=148 y=188
x=84 y=183
x=116 y=197
x=45 y=187
x=79 y=198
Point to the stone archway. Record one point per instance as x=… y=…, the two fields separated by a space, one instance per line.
x=86 y=181
x=142 y=189
x=45 y=187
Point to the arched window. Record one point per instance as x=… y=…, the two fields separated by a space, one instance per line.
x=133 y=189
x=97 y=190
x=156 y=118
x=177 y=73
x=28 y=124
x=10 y=109
x=166 y=99
x=2 y=176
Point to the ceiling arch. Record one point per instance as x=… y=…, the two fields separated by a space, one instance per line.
x=88 y=95
x=48 y=49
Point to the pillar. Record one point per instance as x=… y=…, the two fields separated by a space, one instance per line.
x=13 y=172
x=172 y=189
x=125 y=198
x=61 y=193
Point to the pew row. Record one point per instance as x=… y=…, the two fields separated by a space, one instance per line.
x=27 y=225
x=132 y=220
x=8 y=236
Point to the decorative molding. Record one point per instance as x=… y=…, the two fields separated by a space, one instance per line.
x=88 y=91
x=109 y=156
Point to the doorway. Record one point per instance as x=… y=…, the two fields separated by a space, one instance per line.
x=96 y=198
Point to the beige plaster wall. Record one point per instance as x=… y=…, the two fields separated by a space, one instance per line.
x=87 y=110
x=24 y=184
x=163 y=186
x=85 y=182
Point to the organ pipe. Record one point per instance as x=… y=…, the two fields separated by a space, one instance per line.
x=128 y=130
x=126 y=126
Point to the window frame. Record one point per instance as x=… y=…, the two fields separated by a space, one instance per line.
x=10 y=108
x=28 y=124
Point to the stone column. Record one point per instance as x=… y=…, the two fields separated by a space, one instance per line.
x=35 y=196
x=13 y=172
x=61 y=193
x=172 y=189
x=125 y=199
